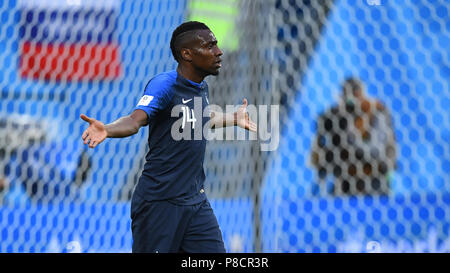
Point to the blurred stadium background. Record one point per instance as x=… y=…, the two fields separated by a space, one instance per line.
x=59 y=59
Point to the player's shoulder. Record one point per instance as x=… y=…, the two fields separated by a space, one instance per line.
x=168 y=77
x=161 y=83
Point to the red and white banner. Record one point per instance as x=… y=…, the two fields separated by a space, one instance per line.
x=69 y=40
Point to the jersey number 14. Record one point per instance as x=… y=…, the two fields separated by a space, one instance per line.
x=188 y=116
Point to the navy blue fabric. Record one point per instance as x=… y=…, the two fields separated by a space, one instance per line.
x=165 y=227
x=174 y=168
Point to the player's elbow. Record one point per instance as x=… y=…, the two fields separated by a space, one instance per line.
x=134 y=128
x=129 y=126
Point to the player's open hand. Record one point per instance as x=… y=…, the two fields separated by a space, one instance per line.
x=242 y=118
x=95 y=133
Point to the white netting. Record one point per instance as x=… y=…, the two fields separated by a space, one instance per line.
x=59 y=59
x=371 y=174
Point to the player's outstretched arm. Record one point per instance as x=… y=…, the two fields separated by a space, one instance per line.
x=239 y=118
x=125 y=126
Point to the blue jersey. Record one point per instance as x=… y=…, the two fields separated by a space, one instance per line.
x=174 y=167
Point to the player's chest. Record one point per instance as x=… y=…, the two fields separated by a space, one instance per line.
x=191 y=99
x=190 y=109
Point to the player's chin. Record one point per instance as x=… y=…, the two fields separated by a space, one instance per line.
x=215 y=71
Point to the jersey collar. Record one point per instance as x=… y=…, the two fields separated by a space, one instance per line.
x=185 y=81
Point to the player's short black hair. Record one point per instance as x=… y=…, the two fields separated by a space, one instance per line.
x=183 y=28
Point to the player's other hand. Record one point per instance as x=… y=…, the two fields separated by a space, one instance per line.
x=242 y=118
x=95 y=133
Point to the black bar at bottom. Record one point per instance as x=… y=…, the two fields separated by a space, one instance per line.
x=260 y=262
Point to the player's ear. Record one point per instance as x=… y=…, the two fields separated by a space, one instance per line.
x=186 y=54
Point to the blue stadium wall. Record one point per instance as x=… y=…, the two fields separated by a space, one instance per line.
x=389 y=58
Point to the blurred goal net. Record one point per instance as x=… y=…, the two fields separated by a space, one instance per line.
x=362 y=160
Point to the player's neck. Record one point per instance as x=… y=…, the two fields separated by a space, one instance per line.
x=190 y=74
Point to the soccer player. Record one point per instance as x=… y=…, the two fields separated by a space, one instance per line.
x=169 y=209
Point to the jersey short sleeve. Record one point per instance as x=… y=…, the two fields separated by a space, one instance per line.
x=156 y=95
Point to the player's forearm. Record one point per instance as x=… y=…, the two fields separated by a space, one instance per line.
x=123 y=127
x=219 y=120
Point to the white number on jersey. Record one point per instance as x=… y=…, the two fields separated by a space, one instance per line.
x=188 y=116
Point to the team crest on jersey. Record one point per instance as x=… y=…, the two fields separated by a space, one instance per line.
x=145 y=100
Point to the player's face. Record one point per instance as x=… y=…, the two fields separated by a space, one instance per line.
x=206 y=54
